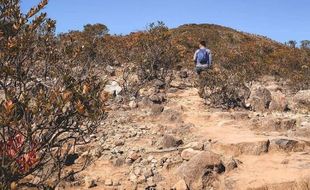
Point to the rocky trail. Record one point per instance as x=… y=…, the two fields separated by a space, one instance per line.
x=184 y=144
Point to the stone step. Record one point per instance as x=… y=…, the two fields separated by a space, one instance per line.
x=270 y=172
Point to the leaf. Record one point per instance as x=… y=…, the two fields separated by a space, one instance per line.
x=80 y=107
x=8 y=105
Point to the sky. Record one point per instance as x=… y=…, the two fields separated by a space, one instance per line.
x=281 y=20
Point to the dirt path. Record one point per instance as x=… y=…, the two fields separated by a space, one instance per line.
x=232 y=135
x=263 y=164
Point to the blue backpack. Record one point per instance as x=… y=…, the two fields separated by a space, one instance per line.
x=203 y=57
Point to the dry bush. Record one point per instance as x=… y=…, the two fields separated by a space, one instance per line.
x=49 y=106
x=223 y=88
x=154 y=54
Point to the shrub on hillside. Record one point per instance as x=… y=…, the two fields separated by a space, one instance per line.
x=48 y=108
x=154 y=53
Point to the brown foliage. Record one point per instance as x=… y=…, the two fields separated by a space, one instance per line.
x=50 y=106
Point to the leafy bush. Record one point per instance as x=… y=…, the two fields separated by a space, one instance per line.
x=48 y=108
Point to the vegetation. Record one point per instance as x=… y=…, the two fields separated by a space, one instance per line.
x=48 y=108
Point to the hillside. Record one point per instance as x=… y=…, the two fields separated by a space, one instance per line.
x=86 y=109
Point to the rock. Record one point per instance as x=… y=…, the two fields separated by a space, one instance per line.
x=158 y=84
x=278 y=102
x=70 y=160
x=116 y=182
x=108 y=182
x=148 y=173
x=134 y=156
x=110 y=70
x=181 y=185
x=133 y=104
x=195 y=145
x=171 y=115
x=189 y=153
x=260 y=99
x=248 y=148
x=89 y=182
x=168 y=141
x=150 y=182
x=119 y=142
x=113 y=88
x=141 y=179
x=133 y=178
x=118 y=162
x=183 y=74
x=201 y=170
x=286 y=145
x=158 y=98
x=279 y=124
x=157 y=109
x=301 y=102
x=230 y=164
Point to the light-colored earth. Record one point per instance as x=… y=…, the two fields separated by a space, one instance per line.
x=228 y=133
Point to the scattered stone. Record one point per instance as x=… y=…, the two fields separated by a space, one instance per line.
x=158 y=84
x=141 y=179
x=113 y=88
x=133 y=104
x=89 y=182
x=157 y=109
x=195 y=145
x=108 y=182
x=183 y=74
x=119 y=162
x=110 y=70
x=285 y=161
x=70 y=160
x=133 y=178
x=189 y=153
x=150 y=182
x=116 y=182
x=158 y=98
x=133 y=156
x=148 y=173
x=230 y=164
x=168 y=141
x=181 y=185
x=119 y=142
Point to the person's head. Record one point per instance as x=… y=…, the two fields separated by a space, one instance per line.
x=202 y=44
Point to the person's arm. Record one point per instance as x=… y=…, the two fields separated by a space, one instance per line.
x=210 y=57
x=195 y=56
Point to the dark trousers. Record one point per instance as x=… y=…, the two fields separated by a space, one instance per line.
x=200 y=69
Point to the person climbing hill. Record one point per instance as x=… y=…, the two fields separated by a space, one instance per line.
x=202 y=58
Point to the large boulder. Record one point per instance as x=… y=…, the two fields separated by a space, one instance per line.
x=260 y=99
x=201 y=171
x=113 y=88
x=255 y=147
x=279 y=101
x=301 y=102
x=278 y=124
x=189 y=153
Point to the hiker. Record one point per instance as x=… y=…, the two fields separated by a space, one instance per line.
x=202 y=58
